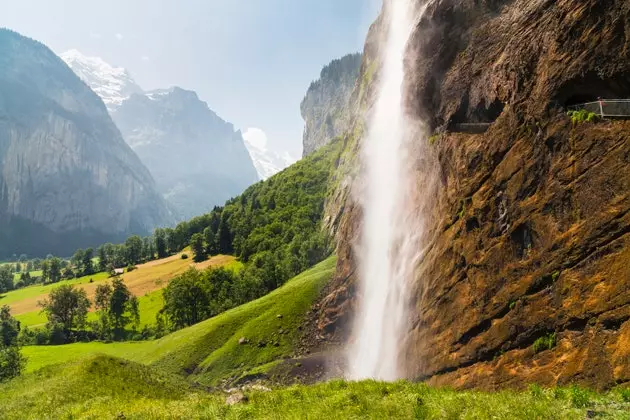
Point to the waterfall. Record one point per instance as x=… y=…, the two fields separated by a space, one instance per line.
x=390 y=245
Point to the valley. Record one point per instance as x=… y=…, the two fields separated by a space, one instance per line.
x=145 y=282
x=454 y=242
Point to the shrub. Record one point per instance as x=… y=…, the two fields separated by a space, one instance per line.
x=184 y=256
x=581 y=116
x=546 y=342
x=131 y=267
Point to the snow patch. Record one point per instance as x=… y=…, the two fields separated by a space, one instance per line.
x=112 y=84
x=267 y=162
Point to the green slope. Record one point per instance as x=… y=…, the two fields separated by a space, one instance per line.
x=99 y=387
x=210 y=351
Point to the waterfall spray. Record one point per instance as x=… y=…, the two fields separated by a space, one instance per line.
x=390 y=238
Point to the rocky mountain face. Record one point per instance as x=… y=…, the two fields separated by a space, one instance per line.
x=67 y=178
x=326 y=104
x=197 y=159
x=113 y=84
x=267 y=162
x=530 y=224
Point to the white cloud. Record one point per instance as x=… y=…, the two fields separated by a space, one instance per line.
x=256 y=137
x=119 y=36
x=95 y=35
x=145 y=58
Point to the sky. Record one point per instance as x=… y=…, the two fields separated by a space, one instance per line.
x=250 y=60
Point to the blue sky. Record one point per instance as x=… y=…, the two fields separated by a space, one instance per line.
x=251 y=60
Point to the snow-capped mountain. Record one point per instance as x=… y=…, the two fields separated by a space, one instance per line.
x=267 y=162
x=197 y=159
x=112 y=84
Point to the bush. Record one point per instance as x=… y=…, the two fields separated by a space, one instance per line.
x=581 y=116
x=184 y=256
x=546 y=342
x=131 y=267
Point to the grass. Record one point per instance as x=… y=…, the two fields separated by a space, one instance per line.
x=143 y=282
x=147 y=379
x=105 y=387
x=209 y=351
x=39 y=291
x=34 y=273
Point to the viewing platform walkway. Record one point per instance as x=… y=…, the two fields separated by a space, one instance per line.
x=606 y=108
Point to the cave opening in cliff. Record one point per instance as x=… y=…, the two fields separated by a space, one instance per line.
x=475 y=119
x=580 y=98
x=592 y=87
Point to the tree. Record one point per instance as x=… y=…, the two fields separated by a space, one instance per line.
x=18 y=267
x=102 y=300
x=77 y=260
x=67 y=306
x=160 y=243
x=88 y=265
x=51 y=270
x=26 y=279
x=210 y=238
x=103 y=261
x=224 y=234
x=147 y=249
x=198 y=248
x=133 y=244
x=67 y=273
x=186 y=299
x=117 y=307
x=6 y=279
x=123 y=307
x=11 y=360
x=45 y=266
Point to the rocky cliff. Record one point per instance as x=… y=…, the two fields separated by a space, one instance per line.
x=67 y=178
x=526 y=275
x=325 y=108
x=198 y=160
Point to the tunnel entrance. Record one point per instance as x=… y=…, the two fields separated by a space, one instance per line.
x=579 y=99
x=475 y=119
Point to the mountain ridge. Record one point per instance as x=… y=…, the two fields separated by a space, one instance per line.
x=197 y=159
x=64 y=166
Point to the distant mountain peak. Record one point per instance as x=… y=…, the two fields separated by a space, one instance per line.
x=112 y=84
x=267 y=162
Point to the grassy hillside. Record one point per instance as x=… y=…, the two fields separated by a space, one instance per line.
x=210 y=351
x=145 y=282
x=107 y=387
x=148 y=379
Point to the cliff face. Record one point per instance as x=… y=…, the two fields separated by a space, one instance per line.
x=530 y=236
x=67 y=178
x=198 y=160
x=325 y=108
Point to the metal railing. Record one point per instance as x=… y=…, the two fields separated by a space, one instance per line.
x=606 y=108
